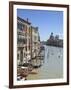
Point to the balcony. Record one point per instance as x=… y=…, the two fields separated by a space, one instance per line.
x=21 y=45
x=20 y=32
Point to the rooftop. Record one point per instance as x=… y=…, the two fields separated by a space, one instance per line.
x=22 y=20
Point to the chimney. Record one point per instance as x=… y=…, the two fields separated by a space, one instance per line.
x=27 y=19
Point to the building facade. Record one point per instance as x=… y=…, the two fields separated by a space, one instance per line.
x=28 y=41
x=35 y=41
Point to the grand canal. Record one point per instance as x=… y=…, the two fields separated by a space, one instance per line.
x=52 y=66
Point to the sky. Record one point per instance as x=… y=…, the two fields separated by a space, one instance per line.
x=47 y=21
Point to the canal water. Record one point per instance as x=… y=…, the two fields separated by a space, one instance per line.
x=52 y=67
